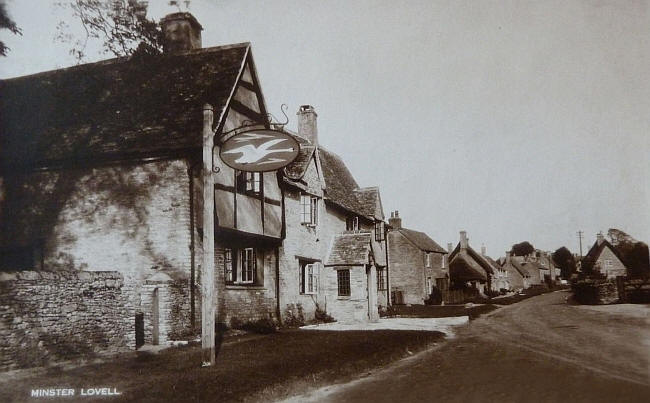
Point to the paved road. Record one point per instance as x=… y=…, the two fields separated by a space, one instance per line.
x=540 y=349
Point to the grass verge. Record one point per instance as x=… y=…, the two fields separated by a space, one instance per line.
x=438 y=311
x=272 y=366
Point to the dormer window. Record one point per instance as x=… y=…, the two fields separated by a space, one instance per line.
x=352 y=223
x=308 y=210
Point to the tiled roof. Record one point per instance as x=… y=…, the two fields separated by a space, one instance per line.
x=349 y=249
x=116 y=108
x=596 y=250
x=492 y=262
x=296 y=170
x=422 y=240
x=369 y=202
x=339 y=182
x=514 y=263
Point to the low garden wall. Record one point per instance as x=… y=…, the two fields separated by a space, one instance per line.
x=47 y=317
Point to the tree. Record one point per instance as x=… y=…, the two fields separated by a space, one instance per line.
x=7 y=23
x=121 y=26
x=522 y=249
x=565 y=260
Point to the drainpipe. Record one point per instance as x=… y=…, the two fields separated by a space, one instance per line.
x=388 y=302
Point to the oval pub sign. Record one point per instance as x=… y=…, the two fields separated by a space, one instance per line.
x=260 y=150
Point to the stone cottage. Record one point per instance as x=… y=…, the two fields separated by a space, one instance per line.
x=323 y=205
x=100 y=170
x=518 y=276
x=604 y=258
x=469 y=269
x=417 y=263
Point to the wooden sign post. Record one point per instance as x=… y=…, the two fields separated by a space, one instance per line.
x=207 y=267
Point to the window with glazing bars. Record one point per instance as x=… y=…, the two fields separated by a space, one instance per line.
x=381 y=279
x=248 y=265
x=227 y=266
x=309 y=209
x=343 y=279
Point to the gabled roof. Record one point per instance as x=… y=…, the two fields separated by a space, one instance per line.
x=495 y=265
x=349 y=249
x=596 y=250
x=514 y=263
x=465 y=269
x=421 y=240
x=471 y=253
x=339 y=182
x=116 y=108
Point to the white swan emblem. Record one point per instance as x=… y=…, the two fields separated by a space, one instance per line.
x=252 y=154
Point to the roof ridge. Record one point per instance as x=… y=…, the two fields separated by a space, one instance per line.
x=123 y=59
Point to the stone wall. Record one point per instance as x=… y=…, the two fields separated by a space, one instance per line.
x=353 y=308
x=47 y=317
x=595 y=292
x=406 y=269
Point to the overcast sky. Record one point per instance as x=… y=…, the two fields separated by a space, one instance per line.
x=512 y=120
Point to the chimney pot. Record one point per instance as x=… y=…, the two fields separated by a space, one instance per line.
x=483 y=250
x=450 y=247
x=600 y=238
x=182 y=33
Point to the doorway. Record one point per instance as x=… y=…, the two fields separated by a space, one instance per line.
x=155 y=317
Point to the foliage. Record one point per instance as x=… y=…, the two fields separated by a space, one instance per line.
x=261 y=326
x=121 y=26
x=435 y=298
x=6 y=23
x=564 y=258
x=321 y=316
x=522 y=249
x=635 y=257
x=294 y=316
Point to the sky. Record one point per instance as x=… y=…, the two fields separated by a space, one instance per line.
x=512 y=120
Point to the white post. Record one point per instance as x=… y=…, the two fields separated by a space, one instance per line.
x=207 y=269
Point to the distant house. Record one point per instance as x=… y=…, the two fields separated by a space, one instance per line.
x=468 y=268
x=333 y=257
x=518 y=276
x=604 y=258
x=500 y=279
x=416 y=263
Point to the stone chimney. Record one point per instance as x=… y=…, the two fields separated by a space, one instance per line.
x=307 y=127
x=182 y=33
x=463 y=240
x=395 y=221
x=508 y=256
x=483 y=250
x=600 y=238
x=450 y=247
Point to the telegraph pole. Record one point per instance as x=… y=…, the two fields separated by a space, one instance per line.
x=580 y=239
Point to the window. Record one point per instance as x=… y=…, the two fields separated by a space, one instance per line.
x=427 y=259
x=248 y=265
x=608 y=263
x=240 y=266
x=227 y=266
x=343 y=280
x=308 y=209
x=429 y=286
x=379 y=231
x=308 y=277
x=381 y=279
x=249 y=182
x=352 y=223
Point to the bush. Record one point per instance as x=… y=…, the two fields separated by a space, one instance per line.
x=435 y=298
x=261 y=326
x=321 y=316
x=492 y=293
x=294 y=316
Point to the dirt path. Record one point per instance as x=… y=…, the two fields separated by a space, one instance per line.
x=537 y=350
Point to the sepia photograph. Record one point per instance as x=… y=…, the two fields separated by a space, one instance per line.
x=325 y=201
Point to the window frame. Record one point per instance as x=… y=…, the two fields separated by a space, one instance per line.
x=248 y=260
x=352 y=223
x=427 y=259
x=381 y=279
x=249 y=183
x=308 y=283
x=343 y=283
x=380 y=231
x=228 y=273
x=308 y=210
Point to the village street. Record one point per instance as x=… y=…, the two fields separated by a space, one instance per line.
x=540 y=349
